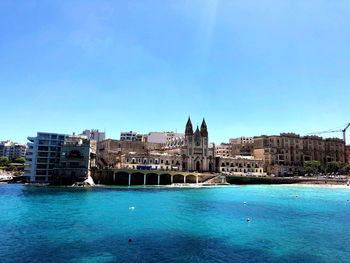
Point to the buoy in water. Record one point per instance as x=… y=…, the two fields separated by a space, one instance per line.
x=248 y=219
x=297 y=196
x=130 y=240
x=131 y=208
x=244 y=203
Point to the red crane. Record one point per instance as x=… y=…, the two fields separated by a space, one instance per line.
x=344 y=137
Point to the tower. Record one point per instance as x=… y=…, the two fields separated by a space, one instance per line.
x=204 y=135
x=189 y=137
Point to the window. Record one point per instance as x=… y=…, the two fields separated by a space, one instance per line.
x=40 y=178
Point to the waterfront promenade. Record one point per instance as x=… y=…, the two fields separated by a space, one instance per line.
x=149 y=177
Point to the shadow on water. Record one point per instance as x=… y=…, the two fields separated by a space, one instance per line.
x=150 y=247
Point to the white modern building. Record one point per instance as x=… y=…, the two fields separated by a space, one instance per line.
x=12 y=150
x=131 y=136
x=94 y=134
x=42 y=154
x=162 y=137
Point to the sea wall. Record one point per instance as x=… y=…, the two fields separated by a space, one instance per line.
x=281 y=180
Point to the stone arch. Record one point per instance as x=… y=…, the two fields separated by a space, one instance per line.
x=178 y=179
x=151 y=179
x=165 y=179
x=191 y=179
x=121 y=178
x=137 y=178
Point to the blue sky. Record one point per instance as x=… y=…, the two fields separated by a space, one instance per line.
x=248 y=67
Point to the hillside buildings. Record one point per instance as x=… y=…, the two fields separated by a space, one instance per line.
x=12 y=150
x=70 y=158
x=285 y=154
x=188 y=152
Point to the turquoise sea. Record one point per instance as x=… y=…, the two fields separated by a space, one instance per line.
x=42 y=224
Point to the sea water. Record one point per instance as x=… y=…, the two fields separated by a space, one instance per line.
x=43 y=224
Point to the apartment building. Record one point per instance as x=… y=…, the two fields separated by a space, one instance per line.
x=42 y=155
x=12 y=150
x=76 y=160
x=132 y=136
x=223 y=150
x=240 y=165
x=285 y=154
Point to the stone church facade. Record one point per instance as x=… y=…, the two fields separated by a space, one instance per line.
x=196 y=152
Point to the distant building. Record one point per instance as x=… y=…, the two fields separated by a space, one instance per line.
x=132 y=136
x=95 y=134
x=109 y=151
x=12 y=150
x=223 y=150
x=77 y=157
x=162 y=137
x=151 y=161
x=42 y=155
x=240 y=165
x=242 y=140
x=242 y=146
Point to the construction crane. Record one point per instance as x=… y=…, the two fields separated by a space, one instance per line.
x=331 y=131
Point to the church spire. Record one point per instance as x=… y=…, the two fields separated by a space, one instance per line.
x=197 y=131
x=189 y=129
x=204 y=130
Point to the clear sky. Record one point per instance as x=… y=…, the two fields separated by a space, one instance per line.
x=248 y=67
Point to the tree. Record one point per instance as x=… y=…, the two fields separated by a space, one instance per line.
x=345 y=169
x=4 y=160
x=312 y=166
x=19 y=160
x=333 y=167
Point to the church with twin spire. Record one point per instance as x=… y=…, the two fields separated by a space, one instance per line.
x=193 y=147
x=196 y=152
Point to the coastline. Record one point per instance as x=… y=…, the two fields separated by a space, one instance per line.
x=194 y=186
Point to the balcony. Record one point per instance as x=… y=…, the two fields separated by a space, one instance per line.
x=32 y=139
